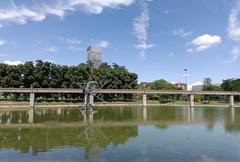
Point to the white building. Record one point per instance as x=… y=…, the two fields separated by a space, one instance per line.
x=198 y=86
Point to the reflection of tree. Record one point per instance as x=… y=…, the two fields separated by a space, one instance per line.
x=210 y=116
x=117 y=114
x=232 y=121
x=165 y=116
x=10 y=117
x=43 y=139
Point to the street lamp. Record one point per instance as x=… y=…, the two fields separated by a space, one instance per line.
x=185 y=75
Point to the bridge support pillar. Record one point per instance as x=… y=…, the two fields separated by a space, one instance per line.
x=192 y=100
x=91 y=99
x=144 y=99
x=32 y=99
x=231 y=101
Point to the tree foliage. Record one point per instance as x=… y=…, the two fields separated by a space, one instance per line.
x=208 y=86
x=49 y=75
x=160 y=85
x=231 y=85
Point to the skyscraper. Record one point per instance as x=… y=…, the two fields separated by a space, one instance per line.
x=95 y=56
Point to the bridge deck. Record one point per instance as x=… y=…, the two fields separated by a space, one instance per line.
x=115 y=91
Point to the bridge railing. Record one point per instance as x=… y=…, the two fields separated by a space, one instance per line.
x=144 y=93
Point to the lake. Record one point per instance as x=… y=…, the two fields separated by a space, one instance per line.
x=129 y=134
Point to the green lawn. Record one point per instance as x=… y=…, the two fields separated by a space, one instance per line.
x=118 y=102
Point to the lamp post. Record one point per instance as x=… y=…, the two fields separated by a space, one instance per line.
x=185 y=75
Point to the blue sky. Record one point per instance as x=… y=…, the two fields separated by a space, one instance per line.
x=154 y=38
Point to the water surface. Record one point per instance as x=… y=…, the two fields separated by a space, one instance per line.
x=153 y=134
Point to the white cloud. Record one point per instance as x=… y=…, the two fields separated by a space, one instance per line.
x=52 y=49
x=39 y=10
x=13 y=62
x=182 y=33
x=234 y=23
x=103 y=44
x=167 y=11
x=75 y=48
x=74 y=41
x=234 y=30
x=235 y=53
x=2 y=42
x=206 y=41
x=140 y=27
x=171 y=54
x=3 y=54
x=189 y=50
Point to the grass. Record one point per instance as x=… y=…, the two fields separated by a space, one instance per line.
x=4 y=103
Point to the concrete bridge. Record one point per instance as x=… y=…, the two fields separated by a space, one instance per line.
x=144 y=93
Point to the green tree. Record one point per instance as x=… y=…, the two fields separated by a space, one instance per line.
x=49 y=75
x=161 y=85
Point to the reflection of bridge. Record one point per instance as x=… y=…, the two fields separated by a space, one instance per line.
x=144 y=93
x=73 y=118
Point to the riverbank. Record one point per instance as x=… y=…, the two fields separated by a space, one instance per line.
x=25 y=104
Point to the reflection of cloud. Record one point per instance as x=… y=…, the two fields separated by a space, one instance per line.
x=206 y=158
x=38 y=10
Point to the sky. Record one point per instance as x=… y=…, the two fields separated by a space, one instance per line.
x=157 y=39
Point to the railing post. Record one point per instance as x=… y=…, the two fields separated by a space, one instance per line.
x=192 y=100
x=231 y=101
x=32 y=99
x=144 y=99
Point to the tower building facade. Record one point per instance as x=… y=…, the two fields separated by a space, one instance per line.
x=95 y=56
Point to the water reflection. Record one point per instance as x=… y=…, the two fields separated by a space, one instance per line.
x=88 y=116
x=42 y=130
x=121 y=116
x=232 y=111
x=30 y=116
x=144 y=113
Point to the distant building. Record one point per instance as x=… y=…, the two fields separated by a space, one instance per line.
x=182 y=86
x=95 y=56
x=197 y=88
